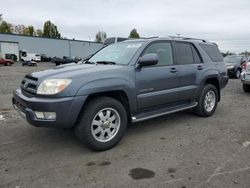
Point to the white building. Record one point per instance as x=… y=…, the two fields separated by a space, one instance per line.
x=13 y=43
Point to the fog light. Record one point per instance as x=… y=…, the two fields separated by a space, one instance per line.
x=45 y=115
x=39 y=115
x=50 y=115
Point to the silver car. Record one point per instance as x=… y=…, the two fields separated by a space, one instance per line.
x=245 y=76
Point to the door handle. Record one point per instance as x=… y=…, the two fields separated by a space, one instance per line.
x=173 y=70
x=199 y=67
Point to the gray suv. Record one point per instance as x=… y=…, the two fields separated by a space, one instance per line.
x=129 y=81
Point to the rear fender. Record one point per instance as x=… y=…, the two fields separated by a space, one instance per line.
x=208 y=75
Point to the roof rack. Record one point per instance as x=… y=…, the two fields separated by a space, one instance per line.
x=149 y=37
x=186 y=38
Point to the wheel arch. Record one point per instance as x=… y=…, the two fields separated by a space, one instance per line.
x=118 y=95
x=215 y=82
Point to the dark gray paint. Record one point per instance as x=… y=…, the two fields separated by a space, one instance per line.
x=145 y=87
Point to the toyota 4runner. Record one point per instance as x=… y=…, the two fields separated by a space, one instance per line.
x=129 y=81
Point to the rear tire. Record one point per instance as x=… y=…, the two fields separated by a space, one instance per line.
x=207 y=101
x=102 y=123
x=246 y=88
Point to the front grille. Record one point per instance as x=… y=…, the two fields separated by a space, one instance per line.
x=29 y=85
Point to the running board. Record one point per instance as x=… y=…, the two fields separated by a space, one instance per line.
x=162 y=111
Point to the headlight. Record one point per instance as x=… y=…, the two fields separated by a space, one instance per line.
x=230 y=67
x=52 y=86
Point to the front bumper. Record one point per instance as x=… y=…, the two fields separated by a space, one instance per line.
x=231 y=72
x=67 y=109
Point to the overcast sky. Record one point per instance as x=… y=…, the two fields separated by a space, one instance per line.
x=226 y=22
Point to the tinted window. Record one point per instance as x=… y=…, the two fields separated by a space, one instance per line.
x=184 y=53
x=213 y=52
x=164 y=52
x=196 y=55
x=244 y=59
x=109 y=41
x=121 y=39
x=233 y=59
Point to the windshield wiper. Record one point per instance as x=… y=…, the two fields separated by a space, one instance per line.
x=89 y=62
x=106 y=62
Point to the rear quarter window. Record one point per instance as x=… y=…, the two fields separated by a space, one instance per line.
x=213 y=52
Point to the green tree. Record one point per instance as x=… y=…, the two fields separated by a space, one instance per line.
x=100 y=36
x=134 y=34
x=50 y=30
x=5 y=27
x=39 y=33
x=28 y=31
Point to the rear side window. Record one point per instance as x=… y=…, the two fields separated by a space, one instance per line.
x=213 y=52
x=164 y=52
x=184 y=53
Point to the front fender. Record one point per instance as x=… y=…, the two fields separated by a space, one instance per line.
x=109 y=85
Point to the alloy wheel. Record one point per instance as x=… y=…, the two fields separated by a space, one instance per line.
x=105 y=124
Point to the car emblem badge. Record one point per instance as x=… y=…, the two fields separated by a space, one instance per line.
x=25 y=85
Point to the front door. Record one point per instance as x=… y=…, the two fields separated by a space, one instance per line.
x=157 y=84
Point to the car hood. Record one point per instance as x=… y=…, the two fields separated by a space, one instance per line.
x=74 y=71
x=83 y=74
x=231 y=64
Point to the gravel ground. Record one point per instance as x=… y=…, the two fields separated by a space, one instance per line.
x=178 y=150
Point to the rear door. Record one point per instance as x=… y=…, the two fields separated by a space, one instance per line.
x=156 y=85
x=190 y=67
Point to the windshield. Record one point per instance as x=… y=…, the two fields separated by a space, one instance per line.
x=232 y=59
x=119 y=53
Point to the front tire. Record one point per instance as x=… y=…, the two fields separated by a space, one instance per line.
x=246 y=88
x=207 y=101
x=102 y=123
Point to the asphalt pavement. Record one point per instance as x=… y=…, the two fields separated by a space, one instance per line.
x=178 y=150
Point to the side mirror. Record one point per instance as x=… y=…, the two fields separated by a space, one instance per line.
x=147 y=60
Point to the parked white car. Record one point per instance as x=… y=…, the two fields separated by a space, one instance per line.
x=30 y=56
x=245 y=76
